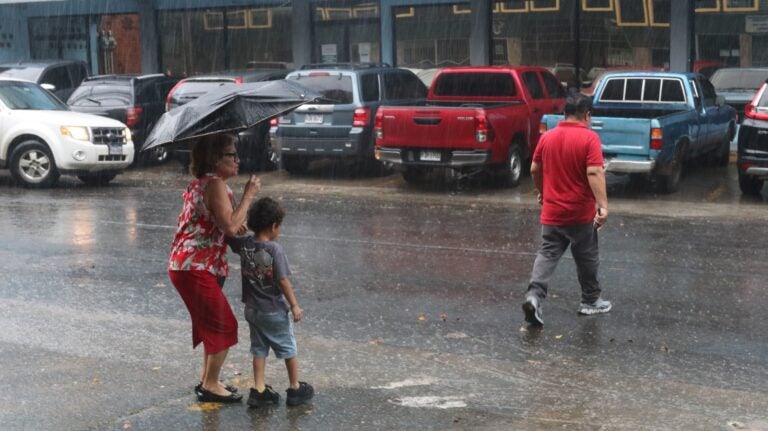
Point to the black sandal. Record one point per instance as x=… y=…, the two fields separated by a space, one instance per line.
x=206 y=396
x=230 y=388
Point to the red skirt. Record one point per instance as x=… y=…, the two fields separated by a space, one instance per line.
x=213 y=322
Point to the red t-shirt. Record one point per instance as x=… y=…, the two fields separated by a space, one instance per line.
x=564 y=154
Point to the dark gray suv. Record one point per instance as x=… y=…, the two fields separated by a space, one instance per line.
x=341 y=124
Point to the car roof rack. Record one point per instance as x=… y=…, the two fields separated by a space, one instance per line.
x=354 y=66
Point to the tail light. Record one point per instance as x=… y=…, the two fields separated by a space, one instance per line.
x=752 y=111
x=273 y=122
x=170 y=93
x=656 y=139
x=542 y=128
x=482 y=128
x=361 y=118
x=378 y=126
x=239 y=80
x=133 y=116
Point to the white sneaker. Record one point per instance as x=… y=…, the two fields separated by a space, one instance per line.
x=597 y=307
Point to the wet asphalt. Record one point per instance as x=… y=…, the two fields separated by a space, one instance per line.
x=412 y=309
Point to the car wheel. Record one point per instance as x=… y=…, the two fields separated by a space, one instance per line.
x=513 y=170
x=722 y=154
x=670 y=181
x=750 y=185
x=97 y=179
x=159 y=155
x=32 y=164
x=295 y=164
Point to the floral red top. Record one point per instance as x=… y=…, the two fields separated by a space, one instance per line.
x=199 y=244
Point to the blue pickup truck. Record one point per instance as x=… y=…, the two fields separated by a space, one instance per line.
x=650 y=123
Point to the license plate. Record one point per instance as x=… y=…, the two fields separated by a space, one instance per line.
x=430 y=156
x=115 y=150
x=313 y=119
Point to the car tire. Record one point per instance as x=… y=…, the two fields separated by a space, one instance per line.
x=295 y=164
x=33 y=165
x=722 y=154
x=750 y=185
x=159 y=155
x=510 y=174
x=97 y=179
x=669 y=182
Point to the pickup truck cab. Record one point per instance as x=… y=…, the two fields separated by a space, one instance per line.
x=475 y=119
x=40 y=139
x=650 y=123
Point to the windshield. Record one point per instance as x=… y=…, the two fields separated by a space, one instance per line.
x=116 y=93
x=737 y=79
x=30 y=96
x=21 y=72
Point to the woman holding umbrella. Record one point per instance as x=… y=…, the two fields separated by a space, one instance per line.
x=198 y=262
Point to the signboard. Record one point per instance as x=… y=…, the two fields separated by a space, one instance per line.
x=757 y=24
x=365 y=52
x=328 y=53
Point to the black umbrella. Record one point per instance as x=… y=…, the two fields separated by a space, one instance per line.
x=229 y=108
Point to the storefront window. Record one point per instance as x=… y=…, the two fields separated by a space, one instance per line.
x=191 y=42
x=259 y=37
x=432 y=36
x=346 y=31
x=730 y=33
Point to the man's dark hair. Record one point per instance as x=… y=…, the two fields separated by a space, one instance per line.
x=264 y=213
x=577 y=104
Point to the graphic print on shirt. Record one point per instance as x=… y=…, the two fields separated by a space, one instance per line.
x=258 y=267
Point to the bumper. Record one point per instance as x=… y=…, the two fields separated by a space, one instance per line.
x=630 y=166
x=355 y=144
x=451 y=158
x=757 y=171
x=83 y=157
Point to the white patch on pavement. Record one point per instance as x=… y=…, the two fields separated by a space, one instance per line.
x=430 y=402
x=456 y=335
x=408 y=382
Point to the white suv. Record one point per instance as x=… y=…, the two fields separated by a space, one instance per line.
x=40 y=139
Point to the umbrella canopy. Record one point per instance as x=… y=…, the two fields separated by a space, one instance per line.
x=229 y=108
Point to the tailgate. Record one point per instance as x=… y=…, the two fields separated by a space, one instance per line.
x=623 y=136
x=429 y=127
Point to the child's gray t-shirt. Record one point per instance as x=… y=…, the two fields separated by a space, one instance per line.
x=263 y=264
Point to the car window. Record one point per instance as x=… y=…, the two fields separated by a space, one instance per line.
x=370 y=87
x=400 y=86
x=475 y=84
x=78 y=73
x=708 y=92
x=554 y=88
x=738 y=79
x=57 y=76
x=532 y=83
x=613 y=90
x=101 y=93
x=335 y=87
x=147 y=92
x=27 y=95
x=672 y=91
x=191 y=88
x=652 y=91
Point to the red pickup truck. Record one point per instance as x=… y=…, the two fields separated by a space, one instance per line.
x=475 y=119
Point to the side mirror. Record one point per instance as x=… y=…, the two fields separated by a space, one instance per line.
x=719 y=100
x=49 y=87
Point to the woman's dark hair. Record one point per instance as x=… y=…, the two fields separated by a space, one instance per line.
x=264 y=213
x=207 y=151
x=577 y=104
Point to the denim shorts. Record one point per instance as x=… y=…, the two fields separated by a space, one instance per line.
x=271 y=330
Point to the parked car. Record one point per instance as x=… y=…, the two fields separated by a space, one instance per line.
x=651 y=123
x=40 y=138
x=341 y=126
x=738 y=85
x=254 y=149
x=60 y=77
x=136 y=100
x=475 y=119
x=752 y=149
x=707 y=67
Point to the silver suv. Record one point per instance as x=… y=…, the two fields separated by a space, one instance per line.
x=341 y=125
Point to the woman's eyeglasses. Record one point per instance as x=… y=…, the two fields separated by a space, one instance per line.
x=233 y=155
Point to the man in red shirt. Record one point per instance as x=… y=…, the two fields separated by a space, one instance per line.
x=568 y=170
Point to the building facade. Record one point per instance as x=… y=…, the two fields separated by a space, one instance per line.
x=575 y=38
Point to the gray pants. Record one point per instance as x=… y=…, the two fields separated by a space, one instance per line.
x=554 y=241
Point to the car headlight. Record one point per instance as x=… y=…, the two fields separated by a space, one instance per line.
x=128 y=135
x=76 y=132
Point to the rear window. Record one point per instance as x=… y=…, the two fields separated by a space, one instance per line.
x=101 y=94
x=475 y=85
x=336 y=88
x=198 y=88
x=28 y=73
x=400 y=86
x=643 y=90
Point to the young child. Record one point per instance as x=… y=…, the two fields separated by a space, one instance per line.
x=268 y=296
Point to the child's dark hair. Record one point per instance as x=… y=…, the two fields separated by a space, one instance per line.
x=264 y=213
